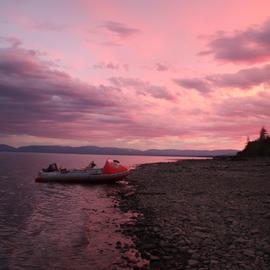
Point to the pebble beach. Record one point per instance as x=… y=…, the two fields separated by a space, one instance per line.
x=200 y=214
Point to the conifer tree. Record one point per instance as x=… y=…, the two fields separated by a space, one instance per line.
x=263 y=134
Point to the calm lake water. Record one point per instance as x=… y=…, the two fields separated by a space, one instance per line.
x=58 y=226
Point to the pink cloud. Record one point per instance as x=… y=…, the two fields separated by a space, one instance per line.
x=248 y=108
x=243 y=79
x=249 y=46
x=120 y=29
x=201 y=85
x=37 y=100
x=239 y=117
x=143 y=88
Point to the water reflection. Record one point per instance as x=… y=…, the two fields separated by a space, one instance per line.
x=55 y=226
x=66 y=226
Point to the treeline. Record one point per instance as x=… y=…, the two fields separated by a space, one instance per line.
x=257 y=148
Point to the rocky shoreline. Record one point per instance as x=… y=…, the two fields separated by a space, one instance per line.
x=200 y=214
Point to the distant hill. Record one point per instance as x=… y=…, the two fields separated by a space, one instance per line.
x=115 y=151
x=7 y=148
x=257 y=148
x=79 y=150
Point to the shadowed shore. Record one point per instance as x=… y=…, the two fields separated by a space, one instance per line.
x=201 y=214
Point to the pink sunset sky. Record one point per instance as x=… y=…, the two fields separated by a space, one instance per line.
x=134 y=73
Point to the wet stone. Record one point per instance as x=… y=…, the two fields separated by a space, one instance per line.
x=249 y=253
x=195 y=256
x=193 y=262
x=213 y=262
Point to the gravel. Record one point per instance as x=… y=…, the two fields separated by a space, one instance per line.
x=200 y=214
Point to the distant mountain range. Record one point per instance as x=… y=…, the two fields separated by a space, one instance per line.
x=115 y=151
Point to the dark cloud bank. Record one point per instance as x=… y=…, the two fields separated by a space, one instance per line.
x=36 y=99
x=249 y=46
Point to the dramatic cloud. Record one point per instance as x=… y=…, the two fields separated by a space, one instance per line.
x=249 y=46
x=35 y=99
x=243 y=79
x=143 y=88
x=120 y=29
x=200 y=85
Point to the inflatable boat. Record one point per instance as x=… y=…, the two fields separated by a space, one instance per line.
x=111 y=172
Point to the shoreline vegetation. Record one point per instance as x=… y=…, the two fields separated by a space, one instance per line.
x=257 y=148
x=200 y=214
